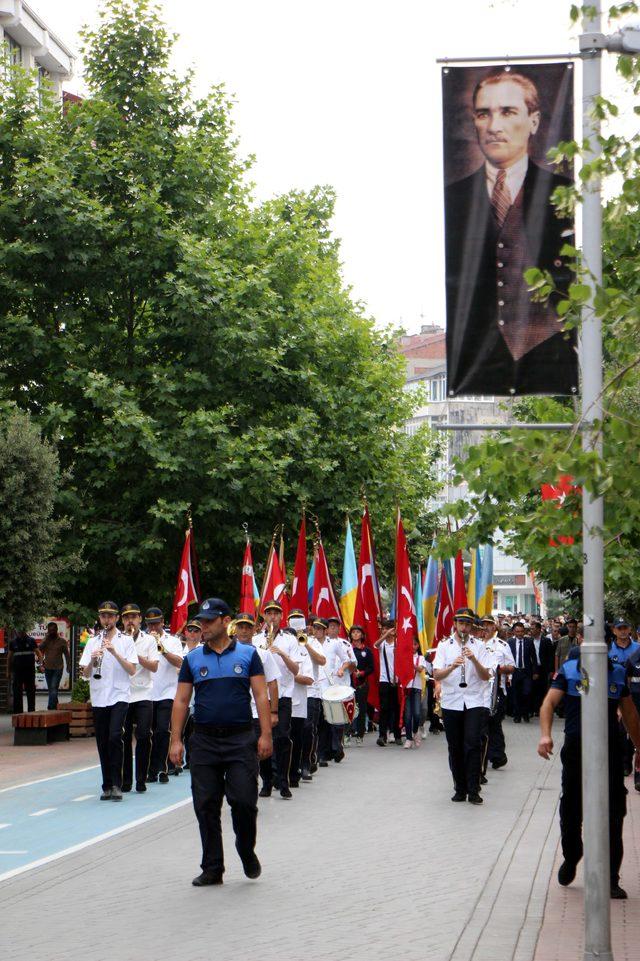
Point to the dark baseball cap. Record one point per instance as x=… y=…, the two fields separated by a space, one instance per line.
x=211 y=608
x=130 y=609
x=154 y=615
x=621 y=622
x=108 y=607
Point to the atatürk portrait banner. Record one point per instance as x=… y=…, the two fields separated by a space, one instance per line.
x=499 y=124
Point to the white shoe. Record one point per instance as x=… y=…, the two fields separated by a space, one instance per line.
x=408 y=744
x=417 y=740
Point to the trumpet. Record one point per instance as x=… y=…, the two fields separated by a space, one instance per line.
x=302 y=637
x=270 y=635
x=158 y=638
x=231 y=628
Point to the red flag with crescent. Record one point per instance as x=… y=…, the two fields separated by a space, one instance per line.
x=368 y=609
x=324 y=603
x=444 y=623
x=406 y=620
x=300 y=589
x=247 y=599
x=185 y=589
x=273 y=588
x=558 y=492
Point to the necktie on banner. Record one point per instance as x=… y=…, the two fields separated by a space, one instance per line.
x=501 y=198
x=300 y=589
x=185 y=589
x=349 y=584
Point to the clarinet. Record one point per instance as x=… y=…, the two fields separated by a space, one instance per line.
x=463 y=679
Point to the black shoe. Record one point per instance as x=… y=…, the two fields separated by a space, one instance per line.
x=185 y=767
x=152 y=779
x=381 y=742
x=636 y=781
x=252 y=868
x=106 y=794
x=116 y=794
x=126 y=788
x=323 y=763
x=339 y=757
x=176 y=771
x=483 y=779
x=566 y=873
x=313 y=768
x=285 y=793
x=163 y=778
x=141 y=787
x=307 y=776
x=526 y=719
x=496 y=765
x=618 y=893
x=203 y=880
x=459 y=796
x=475 y=799
x=516 y=720
x=265 y=792
x=294 y=783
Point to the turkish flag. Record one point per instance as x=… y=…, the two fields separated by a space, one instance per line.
x=185 y=589
x=273 y=587
x=368 y=608
x=406 y=620
x=558 y=492
x=324 y=603
x=459 y=590
x=444 y=623
x=247 y=600
x=300 y=590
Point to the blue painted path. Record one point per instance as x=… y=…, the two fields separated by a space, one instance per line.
x=40 y=822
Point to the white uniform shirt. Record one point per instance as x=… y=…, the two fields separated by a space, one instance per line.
x=454 y=697
x=301 y=691
x=114 y=684
x=165 y=680
x=271 y=673
x=389 y=650
x=288 y=644
x=333 y=654
x=314 y=690
x=142 y=681
x=343 y=654
x=502 y=657
x=416 y=680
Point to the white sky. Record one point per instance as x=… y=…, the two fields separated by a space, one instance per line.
x=347 y=93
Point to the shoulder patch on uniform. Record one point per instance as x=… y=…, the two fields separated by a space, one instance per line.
x=237 y=668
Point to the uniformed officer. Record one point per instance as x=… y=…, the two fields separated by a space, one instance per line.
x=567 y=684
x=462 y=665
x=165 y=682
x=495 y=749
x=621 y=650
x=109 y=661
x=140 y=710
x=284 y=649
x=21 y=667
x=224 y=761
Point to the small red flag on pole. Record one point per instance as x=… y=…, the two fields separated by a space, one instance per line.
x=300 y=589
x=406 y=621
x=185 y=589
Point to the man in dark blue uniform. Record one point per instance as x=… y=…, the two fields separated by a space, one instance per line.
x=223 y=757
x=567 y=684
x=21 y=667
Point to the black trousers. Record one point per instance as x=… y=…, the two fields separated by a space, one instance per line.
x=571 y=804
x=297 y=740
x=359 y=725
x=539 y=688
x=281 y=760
x=496 y=746
x=224 y=767
x=464 y=731
x=140 y=716
x=520 y=693
x=108 y=723
x=23 y=680
x=389 y=710
x=161 y=726
x=310 y=735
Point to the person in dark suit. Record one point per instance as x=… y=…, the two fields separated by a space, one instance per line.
x=525 y=660
x=543 y=671
x=499 y=221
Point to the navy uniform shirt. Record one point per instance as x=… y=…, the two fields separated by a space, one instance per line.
x=633 y=675
x=221 y=682
x=364 y=662
x=568 y=679
x=23 y=650
x=620 y=655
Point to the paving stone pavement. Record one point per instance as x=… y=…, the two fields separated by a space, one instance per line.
x=369 y=861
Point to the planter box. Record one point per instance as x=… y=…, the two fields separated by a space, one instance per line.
x=81 y=719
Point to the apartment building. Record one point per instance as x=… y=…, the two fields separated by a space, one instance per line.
x=28 y=41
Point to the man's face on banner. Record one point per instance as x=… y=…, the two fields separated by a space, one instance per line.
x=503 y=123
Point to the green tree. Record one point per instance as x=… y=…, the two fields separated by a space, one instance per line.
x=181 y=344
x=31 y=561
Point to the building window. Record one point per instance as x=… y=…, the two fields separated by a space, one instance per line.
x=43 y=81
x=14 y=51
x=438 y=388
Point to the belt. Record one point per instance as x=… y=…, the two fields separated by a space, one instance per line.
x=223 y=730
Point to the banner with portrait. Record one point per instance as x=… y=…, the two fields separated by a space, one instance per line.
x=499 y=124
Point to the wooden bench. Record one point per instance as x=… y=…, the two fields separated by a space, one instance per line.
x=41 y=727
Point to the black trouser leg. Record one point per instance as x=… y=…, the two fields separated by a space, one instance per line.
x=160 y=744
x=324 y=738
x=265 y=767
x=143 y=716
x=282 y=744
x=571 y=801
x=360 y=723
x=474 y=721
x=497 y=748
x=207 y=788
x=30 y=690
x=116 y=728
x=186 y=736
x=297 y=734
x=454 y=730
x=310 y=733
x=484 y=744
x=127 y=747
x=101 y=716
x=337 y=734
x=617 y=811
x=16 y=692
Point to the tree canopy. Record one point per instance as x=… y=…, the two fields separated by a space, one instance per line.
x=180 y=344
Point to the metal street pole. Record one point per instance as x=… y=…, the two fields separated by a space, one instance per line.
x=593 y=653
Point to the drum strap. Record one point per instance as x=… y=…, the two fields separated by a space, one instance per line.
x=386 y=664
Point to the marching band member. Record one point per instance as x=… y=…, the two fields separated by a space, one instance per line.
x=165 y=683
x=243 y=631
x=462 y=665
x=284 y=648
x=388 y=687
x=344 y=663
x=314 y=700
x=109 y=662
x=329 y=744
x=302 y=683
x=504 y=664
x=140 y=710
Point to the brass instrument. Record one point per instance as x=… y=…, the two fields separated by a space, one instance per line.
x=302 y=637
x=270 y=634
x=97 y=658
x=231 y=627
x=158 y=637
x=463 y=679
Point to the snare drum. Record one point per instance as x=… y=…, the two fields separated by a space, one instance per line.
x=339 y=704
